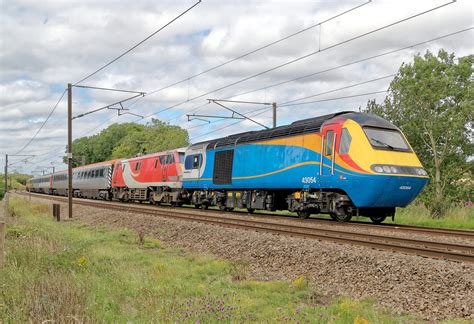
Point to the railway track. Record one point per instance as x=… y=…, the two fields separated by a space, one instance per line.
x=388 y=227
x=425 y=248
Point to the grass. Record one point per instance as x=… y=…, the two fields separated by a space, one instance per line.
x=69 y=272
x=457 y=217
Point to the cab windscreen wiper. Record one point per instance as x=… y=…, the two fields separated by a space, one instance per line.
x=382 y=143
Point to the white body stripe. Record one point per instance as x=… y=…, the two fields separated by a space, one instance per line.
x=130 y=182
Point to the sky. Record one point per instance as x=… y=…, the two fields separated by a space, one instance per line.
x=45 y=45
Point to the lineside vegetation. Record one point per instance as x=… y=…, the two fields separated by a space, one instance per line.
x=432 y=101
x=69 y=272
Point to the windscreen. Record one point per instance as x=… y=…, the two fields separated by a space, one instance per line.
x=382 y=138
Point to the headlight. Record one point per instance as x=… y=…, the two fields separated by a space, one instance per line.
x=421 y=172
x=399 y=169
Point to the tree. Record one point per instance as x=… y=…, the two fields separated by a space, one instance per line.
x=127 y=140
x=431 y=100
x=154 y=137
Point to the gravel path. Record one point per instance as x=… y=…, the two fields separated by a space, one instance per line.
x=431 y=289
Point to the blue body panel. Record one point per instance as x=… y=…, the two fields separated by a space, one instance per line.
x=264 y=166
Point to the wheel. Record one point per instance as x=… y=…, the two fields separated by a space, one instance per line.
x=303 y=214
x=343 y=217
x=378 y=219
x=251 y=210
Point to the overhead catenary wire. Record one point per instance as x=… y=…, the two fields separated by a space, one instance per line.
x=295 y=79
x=44 y=123
x=259 y=48
x=331 y=99
x=194 y=109
x=288 y=81
x=304 y=57
x=262 y=110
x=103 y=67
x=423 y=42
x=289 y=103
x=352 y=62
x=138 y=44
x=268 y=109
x=319 y=72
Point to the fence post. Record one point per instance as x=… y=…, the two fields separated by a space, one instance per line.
x=3 y=229
x=57 y=212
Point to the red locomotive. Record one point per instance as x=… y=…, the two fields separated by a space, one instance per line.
x=155 y=177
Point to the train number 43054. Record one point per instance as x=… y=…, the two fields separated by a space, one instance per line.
x=308 y=180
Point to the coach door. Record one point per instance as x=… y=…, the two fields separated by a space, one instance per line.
x=328 y=156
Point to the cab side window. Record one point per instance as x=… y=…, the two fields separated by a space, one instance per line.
x=345 y=142
x=329 y=141
x=193 y=161
x=196 y=161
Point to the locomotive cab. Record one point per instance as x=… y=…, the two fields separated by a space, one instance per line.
x=371 y=161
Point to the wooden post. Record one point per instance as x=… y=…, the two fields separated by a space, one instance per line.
x=3 y=229
x=69 y=148
x=57 y=212
x=2 y=242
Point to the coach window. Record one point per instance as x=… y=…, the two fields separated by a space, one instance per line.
x=345 y=141
x=101 y=172
x=329 y=142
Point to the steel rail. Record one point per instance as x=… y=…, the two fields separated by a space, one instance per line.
x=393 y=228
x=432 y=249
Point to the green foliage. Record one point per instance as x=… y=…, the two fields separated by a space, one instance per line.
x=16 y=181
x=68 y=272
x=127 y=140
x=455 y=217
x=432 y=101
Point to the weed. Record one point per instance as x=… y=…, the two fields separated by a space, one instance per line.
x=300 y=283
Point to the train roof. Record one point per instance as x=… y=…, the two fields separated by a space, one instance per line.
x=156 y=154
x=94 y=165
x=304 y=126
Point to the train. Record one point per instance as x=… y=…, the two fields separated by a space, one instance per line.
x=343 y=164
